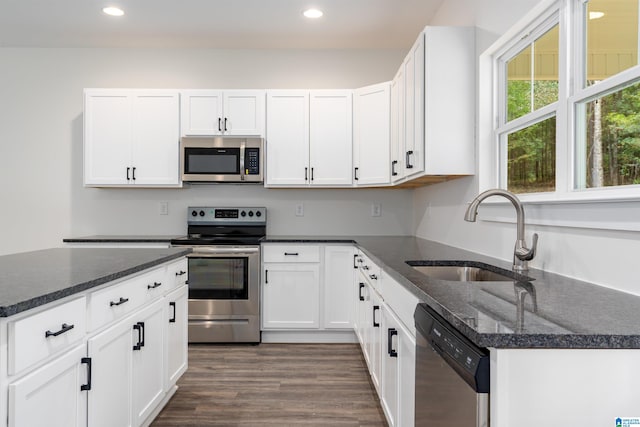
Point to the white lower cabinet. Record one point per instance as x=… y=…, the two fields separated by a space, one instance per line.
x=338 y=279
x=117 y=373
x=290 y=296
x=52 y=394
x=176 y=320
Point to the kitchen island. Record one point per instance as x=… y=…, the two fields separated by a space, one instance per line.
x=105 y=322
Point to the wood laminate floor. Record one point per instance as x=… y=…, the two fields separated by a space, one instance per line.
x=274 y=384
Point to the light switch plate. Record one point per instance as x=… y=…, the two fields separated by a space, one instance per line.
x=299 y=209
x=376 y=209
x=163 y=208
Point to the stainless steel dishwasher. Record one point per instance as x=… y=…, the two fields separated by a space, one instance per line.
x=452 y=375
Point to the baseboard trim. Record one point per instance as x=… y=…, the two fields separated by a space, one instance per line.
x=309 y=337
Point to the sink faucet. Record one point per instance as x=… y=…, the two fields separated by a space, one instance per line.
x=521 y=254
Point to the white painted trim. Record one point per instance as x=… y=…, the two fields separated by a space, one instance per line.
x=299 y=337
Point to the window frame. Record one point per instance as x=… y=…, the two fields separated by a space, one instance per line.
x=572 y=90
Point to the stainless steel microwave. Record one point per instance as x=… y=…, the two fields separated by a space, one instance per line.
x=221 y=159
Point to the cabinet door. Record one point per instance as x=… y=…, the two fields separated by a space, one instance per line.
x=414 y=108
x=291 y=296
x=111 y=355
x=397 y=126
x=148 y=361
x=51 y=395
x=244 y=113
x=156 y=137
x=372 y=134
x=390 y=370
x=201 y=112
x=287 y=144
x=406 y=378
x=362 y=294
x=107 y=137
x=375 y=340
x=176 y=322
x=338 y=285
x=331 y=140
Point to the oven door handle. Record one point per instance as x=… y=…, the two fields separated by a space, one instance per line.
x=204 y=252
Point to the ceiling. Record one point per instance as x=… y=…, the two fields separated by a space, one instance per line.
x=233 y=24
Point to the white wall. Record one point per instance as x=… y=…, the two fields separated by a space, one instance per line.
x=599 y=256
x=42 y=199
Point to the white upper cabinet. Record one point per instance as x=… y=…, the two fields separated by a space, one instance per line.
x=330 y=142
x=309 y=138
x=371 y=135
x=287 y=143
x=397 y=126
x=214 y=112
x=414 y=109
x=131 y=137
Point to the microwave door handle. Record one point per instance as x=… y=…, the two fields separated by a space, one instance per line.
x=243 y=145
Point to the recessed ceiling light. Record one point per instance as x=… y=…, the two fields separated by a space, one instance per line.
x=313 y=13
x=596 y=15
x=113 y=11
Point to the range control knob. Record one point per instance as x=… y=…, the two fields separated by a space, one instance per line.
x=250 y=213
x=201 y=213
x=243 y=214
x=258 y=213
x=194 y=213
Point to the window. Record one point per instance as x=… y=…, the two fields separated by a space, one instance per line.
x=566 y=103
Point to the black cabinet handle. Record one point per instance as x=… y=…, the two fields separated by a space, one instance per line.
x=266 y=277
x=375 y=308
x=409 y=165
x=119 y=302
x=373 y=277
x=128 y=179
x=173 y=318
x=390 y=333
x=355 y=258
x=360 y=288
x=393 y=168
x=355 y=173
x=291 y=254
x=133 y=173
x=225 y=124
x=87 y=386
x=305 y=174
x=65 y=328
x=365 y=267
x=181 y=273
x=155 y=285
x=140 y=328
x=311 y=174
x=219 y=124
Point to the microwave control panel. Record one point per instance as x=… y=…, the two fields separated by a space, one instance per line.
x=252 y=161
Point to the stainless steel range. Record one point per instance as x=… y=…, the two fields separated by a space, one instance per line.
x=224 y=273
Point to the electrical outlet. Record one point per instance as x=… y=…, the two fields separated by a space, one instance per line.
x=163 y=208
x=299 y=209
x=376 y=209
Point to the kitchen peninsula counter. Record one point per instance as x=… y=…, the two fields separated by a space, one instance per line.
x=31 y=279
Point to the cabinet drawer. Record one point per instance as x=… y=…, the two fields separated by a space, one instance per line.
x=177 y=274
x=291 y=253
x=156 y=283
x=370 y=271
x=114 y=302
x=36 y=337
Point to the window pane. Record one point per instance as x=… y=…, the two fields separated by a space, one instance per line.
x=532 y=76
x=611 y=142
x=531 y=164
x=611 y=37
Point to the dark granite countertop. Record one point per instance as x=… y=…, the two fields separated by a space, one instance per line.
x=121 y=239
x=32 y=279
x=551 y=311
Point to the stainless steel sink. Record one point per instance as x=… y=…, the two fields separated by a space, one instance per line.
x=466 y=272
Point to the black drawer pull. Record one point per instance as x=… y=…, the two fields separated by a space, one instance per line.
x=119 y=302
x=87 y=386
x=390 y=333
x=291 y=254
x=365 y=267
x=140 y=328
x=361 y=287
x=181 y=273
x=355 y=259
x=373 y=277
x=155 y=285
x=173 y=318
x=65 y=328
x=375 y=308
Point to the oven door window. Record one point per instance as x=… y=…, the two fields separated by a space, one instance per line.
x=219 y=278
x=212 y=161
